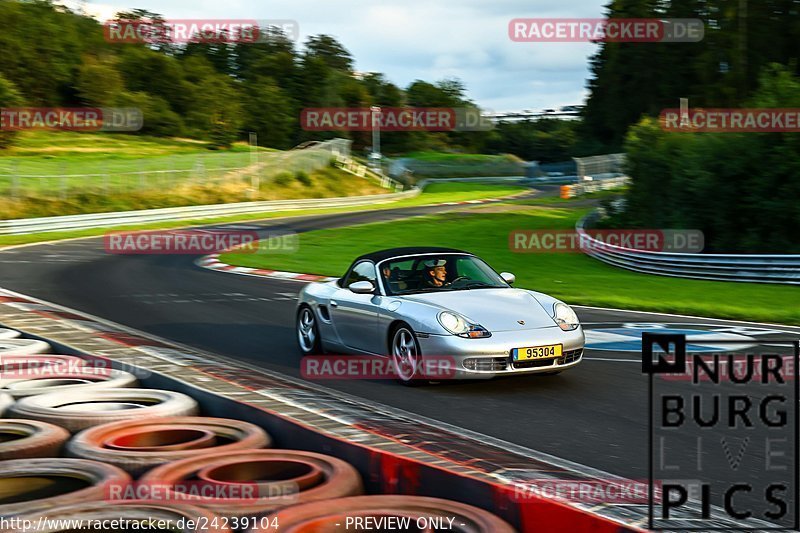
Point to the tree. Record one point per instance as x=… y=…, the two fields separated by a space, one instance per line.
x=215 y=101
x=267 y=111
x=381 y=91
x=330 y=51
x=98 y=82
x=9 y=97
x=159 y=119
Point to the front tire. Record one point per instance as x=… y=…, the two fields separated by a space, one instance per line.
x=406 y=356
x=307 y=331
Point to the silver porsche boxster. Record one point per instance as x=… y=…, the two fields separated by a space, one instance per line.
x=409 y=304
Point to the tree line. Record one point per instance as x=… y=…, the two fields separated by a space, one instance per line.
x=221 y=91
x=741 y=189
x=216 y=91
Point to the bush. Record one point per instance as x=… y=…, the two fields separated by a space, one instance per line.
x=283 y=179
x=303 y=178
x=159 y=119
x=222 y=135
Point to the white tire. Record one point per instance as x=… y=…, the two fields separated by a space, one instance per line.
x=6 y=401
x=8 y=333
x=22 y=347
x=50 y=381
x=76 y=410
x=23 y=366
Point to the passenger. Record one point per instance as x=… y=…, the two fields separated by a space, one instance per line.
x=436 y=273
x=392 y=277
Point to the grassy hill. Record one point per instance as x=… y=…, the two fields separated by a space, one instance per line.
x=60 y=173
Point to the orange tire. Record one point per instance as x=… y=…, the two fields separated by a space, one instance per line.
x=23 y=439
x=139 y=445
x=36 y=485
x=257 y=481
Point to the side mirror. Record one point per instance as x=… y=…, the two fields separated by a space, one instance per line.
x=362 y=287
x=508 y=277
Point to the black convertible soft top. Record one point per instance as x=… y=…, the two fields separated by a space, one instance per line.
x=411 y=250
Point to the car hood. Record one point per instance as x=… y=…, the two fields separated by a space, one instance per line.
x=494 y=309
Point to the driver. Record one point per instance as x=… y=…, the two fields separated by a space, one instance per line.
x=436 y=273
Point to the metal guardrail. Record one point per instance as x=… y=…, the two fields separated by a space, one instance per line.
x=599 y=183
x=100 y=220
x=783 y=269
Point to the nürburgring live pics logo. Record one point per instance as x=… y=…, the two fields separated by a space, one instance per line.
x=723 y=435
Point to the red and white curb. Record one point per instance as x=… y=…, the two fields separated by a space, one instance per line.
x=212 y=262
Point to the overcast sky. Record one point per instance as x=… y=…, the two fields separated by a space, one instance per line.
x=424 y=39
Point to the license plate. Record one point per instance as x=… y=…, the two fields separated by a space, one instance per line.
x=537 y=352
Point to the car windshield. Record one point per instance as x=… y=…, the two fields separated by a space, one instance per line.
x=434 y=273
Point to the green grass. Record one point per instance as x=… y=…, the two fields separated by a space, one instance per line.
x=433 y=194
x=575 y=278
x=459 y=192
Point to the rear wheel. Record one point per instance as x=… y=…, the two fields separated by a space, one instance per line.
x=406 y=356
x=307 y=331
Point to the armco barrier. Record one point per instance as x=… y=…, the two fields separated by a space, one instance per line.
x=101 y=220
x=395 y=455
x=597 y=183
x=783 y=269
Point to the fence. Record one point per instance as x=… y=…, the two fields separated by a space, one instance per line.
x=600 y=165
x=593 y=185
x=52 y=178
x=783 y=269
x=411 y=170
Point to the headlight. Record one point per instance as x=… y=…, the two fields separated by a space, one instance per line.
x=458 y=325
x=565 y=317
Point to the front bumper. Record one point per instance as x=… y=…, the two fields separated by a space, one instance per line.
x=477 y=358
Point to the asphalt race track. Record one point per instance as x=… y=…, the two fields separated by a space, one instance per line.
x=595 y=414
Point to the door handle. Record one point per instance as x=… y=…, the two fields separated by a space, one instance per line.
x=334 y=304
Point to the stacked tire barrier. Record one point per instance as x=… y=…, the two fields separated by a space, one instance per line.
x=82 y=444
